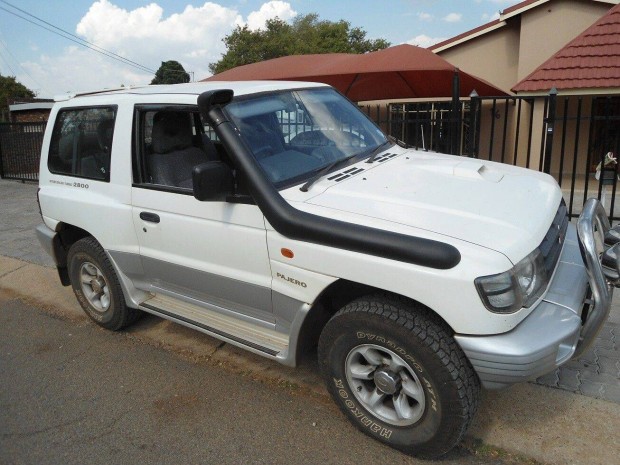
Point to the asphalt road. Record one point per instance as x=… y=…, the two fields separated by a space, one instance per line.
x=73 y=393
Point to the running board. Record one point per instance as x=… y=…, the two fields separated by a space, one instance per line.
x=247 y=335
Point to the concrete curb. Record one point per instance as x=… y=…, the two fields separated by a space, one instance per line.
x=548 y=425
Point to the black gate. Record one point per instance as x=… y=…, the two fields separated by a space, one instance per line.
x=20 y=150
x=575 y=139
x=438 y=126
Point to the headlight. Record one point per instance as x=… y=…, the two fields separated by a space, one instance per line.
x=516 y=288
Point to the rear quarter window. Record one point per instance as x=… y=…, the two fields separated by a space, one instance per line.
x=82 y=141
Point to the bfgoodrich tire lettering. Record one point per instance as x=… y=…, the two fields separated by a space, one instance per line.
x=398 y=375
x=96 y=286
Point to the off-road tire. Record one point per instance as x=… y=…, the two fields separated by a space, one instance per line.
x=424 y=349
x=84 y=257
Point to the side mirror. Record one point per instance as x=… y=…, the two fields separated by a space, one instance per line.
x=212 y=180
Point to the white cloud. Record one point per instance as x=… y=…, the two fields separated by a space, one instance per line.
x=425 y=41
x=270 y=10
x=79 y=69
x=425 y=16
x=144 y=35
x=453 y=17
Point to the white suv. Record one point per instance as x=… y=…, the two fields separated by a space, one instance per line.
x=277 y=217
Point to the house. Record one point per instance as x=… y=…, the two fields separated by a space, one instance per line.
x=586 y=71
x=571 y=46
x=508 y=49
x=30 y=111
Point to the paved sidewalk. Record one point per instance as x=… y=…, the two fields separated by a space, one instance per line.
x=596 y=374
x=19 y=215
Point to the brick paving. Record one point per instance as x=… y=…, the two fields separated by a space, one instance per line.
x=19 y=215
x=596 y=373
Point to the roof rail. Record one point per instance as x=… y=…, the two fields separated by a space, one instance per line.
x=70 y=95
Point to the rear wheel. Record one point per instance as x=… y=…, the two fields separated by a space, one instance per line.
x=96 y=285
x=396 y=372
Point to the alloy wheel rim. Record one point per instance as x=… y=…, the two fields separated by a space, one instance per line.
x=95 y=287
x=385 y=385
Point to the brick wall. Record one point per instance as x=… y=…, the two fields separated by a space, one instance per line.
x=30 y=116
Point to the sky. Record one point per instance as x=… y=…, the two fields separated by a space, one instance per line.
x=191 y=32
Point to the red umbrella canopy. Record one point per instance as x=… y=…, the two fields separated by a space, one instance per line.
x=403 y=71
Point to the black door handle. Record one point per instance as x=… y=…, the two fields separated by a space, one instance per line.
x=150 y=217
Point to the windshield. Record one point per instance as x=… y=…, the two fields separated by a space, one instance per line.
x=294 y=134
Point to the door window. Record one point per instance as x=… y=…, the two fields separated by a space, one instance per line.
x=81 y=143
x=171 y=142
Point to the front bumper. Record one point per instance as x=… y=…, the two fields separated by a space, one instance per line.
x=555 y=331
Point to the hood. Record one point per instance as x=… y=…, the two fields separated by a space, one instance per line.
x=497 y=206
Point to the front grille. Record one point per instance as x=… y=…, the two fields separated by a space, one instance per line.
x=551 y=246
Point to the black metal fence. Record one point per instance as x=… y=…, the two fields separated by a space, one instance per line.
x=432 y=126
x=575 y=139
x=20 y=150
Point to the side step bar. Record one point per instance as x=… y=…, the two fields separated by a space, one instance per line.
x=258 y=339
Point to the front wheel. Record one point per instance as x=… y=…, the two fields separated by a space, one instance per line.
x=397 y=373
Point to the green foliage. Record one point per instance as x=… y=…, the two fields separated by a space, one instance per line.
x=306 y=35
x=10 y=89
x=170 y=72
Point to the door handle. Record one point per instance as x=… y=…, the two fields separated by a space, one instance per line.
x=150 y=217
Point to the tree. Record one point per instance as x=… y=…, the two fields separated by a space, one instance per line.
x=170 y=72
x=307 y=34
x=10 y=90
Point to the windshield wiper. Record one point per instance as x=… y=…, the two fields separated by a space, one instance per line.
x=323 y=171
x=376 y=151
x=398 y=142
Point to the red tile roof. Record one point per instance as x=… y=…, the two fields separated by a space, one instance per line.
x=590 y=60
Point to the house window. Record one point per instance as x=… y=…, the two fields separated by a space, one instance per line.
x=81 y=143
